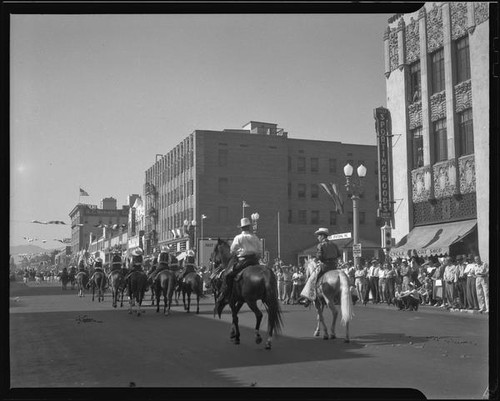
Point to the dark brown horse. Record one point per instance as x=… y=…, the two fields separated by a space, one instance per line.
x=254 y=283
x=98 y=282
x=192 y=284
x=82 y=281
x=164 y=283
x=116 y=280
x=137 y=285
x=65 y=278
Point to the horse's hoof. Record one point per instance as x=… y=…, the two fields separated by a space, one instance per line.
x=316 y=334
x=333 y=336
x=326 y=337
x=347 y=340
x=258 y=339
x=236 y=341
x=268 y=346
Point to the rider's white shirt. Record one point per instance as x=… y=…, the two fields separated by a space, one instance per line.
x=246 y=243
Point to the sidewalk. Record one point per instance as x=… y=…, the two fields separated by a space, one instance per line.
x=427 y=309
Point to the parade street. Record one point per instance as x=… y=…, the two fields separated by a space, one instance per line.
x=58 y=340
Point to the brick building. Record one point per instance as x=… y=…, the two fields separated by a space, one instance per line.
x=211 y=173
x=437 y=70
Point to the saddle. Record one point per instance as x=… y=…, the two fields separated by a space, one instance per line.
x=240 y=273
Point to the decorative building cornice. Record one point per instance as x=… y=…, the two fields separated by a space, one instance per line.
x=438 y=106
x=421 y=184
x=445 y=179
x=434 y=29
x=412 y=41
x=463 y=96
x=481 y=12
x=401 y=25
x=387 y=32
x=467 y=170
x=393 y=50
x=415 y=114
x=458 y=12
x=421 y=13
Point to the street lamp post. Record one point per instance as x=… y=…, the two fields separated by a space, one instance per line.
x=203 y=217
x=355 y=188
x=255 y=218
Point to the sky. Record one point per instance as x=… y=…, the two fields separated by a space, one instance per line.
x=94 y=98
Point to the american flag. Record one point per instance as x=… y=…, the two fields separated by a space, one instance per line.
x=245 y=204
x=83 y=193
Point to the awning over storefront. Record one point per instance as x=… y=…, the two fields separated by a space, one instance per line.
x=434 y=239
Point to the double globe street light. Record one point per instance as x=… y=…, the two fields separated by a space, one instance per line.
x=354 y=188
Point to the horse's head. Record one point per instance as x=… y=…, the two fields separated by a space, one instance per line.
x=221 y=253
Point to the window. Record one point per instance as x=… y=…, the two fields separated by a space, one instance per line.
x=437 y=61
x=314 y=191
x=223 y=185
x=463 y=59
x=302 y=217
x=290 y=216
x=440 y=141
x=415 y=94
x=222 y=157
x=314 y=165
x=301 y=191
x=333 y=166
x=314 y=216
x=301 y=165
x=362 y=217
x=465 y=133
x=222 y=214
x=289 y=190
x=417 y=144
x=333 y=218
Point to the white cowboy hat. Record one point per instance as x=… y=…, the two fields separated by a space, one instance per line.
x=245 y=221
x=137 y=252
x=322 y=230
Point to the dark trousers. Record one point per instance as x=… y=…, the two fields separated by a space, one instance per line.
x=472 y=302
x=373 y=287
x=462 y=291
x=390 y=289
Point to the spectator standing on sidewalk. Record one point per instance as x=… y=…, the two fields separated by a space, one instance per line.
x=482 y=271
x=437 y=285
x=287 y=282
x=372 y=282
x=382 y=277
x=461 y=282
x=472 y=302
x=390 y=284
x=450 y=278
x=360 y=281
x=281 y=284
x=405 y=275
x=296 y=281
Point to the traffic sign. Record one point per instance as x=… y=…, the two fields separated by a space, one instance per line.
x=356 y=250
x=333 y=237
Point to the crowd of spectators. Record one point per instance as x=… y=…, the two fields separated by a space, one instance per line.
x=458 y=283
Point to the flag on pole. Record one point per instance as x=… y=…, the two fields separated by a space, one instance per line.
x=203 y=216
x=335 y=196
x=245 y=204
x=83 y=193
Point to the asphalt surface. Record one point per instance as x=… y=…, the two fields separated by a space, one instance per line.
x=58 y=340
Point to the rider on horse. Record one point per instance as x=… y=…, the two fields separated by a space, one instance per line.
x=246 y=249
x=136 y=263
x=327 y=254
x=188 y=265
x=97 y=268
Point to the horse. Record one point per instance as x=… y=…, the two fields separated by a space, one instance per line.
x=164 y=284
x=332 y=287
x=192 y=284
x=82 y=281
x=137 y=284
x=72 y=277
x=254 y=283
x=116 y=280
x=98 y=281
x=216 y=280
x=64 y=279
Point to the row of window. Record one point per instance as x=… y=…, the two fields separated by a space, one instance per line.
x=440 y=140
x=176 y=195
x=437 y=75
x=314 y=191
x=169 y=171
x=314 y=217
x=177 y=220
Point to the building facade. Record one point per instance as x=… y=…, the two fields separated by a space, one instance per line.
x=437 y=76
x=90 y=223
x=211 y=174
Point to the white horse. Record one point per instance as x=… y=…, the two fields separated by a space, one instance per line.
x=332 y=287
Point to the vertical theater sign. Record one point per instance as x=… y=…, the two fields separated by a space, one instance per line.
x=384 y=144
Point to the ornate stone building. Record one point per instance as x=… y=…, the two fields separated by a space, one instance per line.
x=437 y=71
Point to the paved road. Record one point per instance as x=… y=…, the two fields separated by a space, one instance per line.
x=60 y=340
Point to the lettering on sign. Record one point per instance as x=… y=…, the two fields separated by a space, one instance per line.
x=384 y=143
x=334 y=237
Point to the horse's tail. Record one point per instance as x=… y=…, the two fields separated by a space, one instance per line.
x=345 y=299
x=274 y=318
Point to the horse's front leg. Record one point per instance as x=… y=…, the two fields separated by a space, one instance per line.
x=258 y=318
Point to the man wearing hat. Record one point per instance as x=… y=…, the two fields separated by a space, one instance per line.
x=327 y=254
x=247 y=249
x=136 y=261
x=98 y=268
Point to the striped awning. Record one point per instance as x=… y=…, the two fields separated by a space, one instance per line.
x=434 y=239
